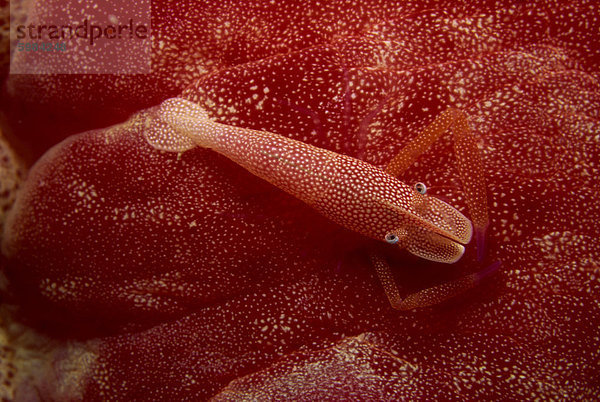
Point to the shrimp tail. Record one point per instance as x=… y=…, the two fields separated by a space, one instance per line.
x=177 y=125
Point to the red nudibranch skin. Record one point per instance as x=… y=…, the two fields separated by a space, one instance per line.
x=187 y=277
x=350 y=192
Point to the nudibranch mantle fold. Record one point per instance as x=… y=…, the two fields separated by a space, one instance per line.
x=348 y=191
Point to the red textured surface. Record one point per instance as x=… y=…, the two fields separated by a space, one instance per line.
x=203 y=274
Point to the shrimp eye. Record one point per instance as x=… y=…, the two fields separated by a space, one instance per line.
x=391 y=238
x=421 y=188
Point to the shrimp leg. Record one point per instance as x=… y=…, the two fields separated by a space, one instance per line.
x=429 y=296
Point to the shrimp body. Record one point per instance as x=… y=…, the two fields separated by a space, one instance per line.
x=348 y=191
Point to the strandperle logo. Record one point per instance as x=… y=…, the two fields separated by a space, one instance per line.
x=89 y=37
x=85 y=30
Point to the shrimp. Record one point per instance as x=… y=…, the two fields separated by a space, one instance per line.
x=348 y=191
